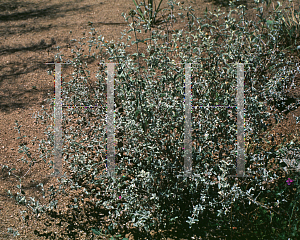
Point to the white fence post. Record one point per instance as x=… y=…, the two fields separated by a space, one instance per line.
x=57 y=122
x=188 y=123
x=240 y=98
x=110 y=125
x=240 y=121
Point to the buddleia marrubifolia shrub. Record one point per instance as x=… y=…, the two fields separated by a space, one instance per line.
x=149 y=190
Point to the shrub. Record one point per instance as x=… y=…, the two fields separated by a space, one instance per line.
x=153 y=197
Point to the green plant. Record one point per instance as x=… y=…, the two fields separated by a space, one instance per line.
x=291 y=26
x=149 y=15
x=287 y=23
x=15 y=233
x=148 y=164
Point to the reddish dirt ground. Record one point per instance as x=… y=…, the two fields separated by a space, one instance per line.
x=29 y=32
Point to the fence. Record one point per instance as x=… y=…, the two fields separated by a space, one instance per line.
x=110 y=128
